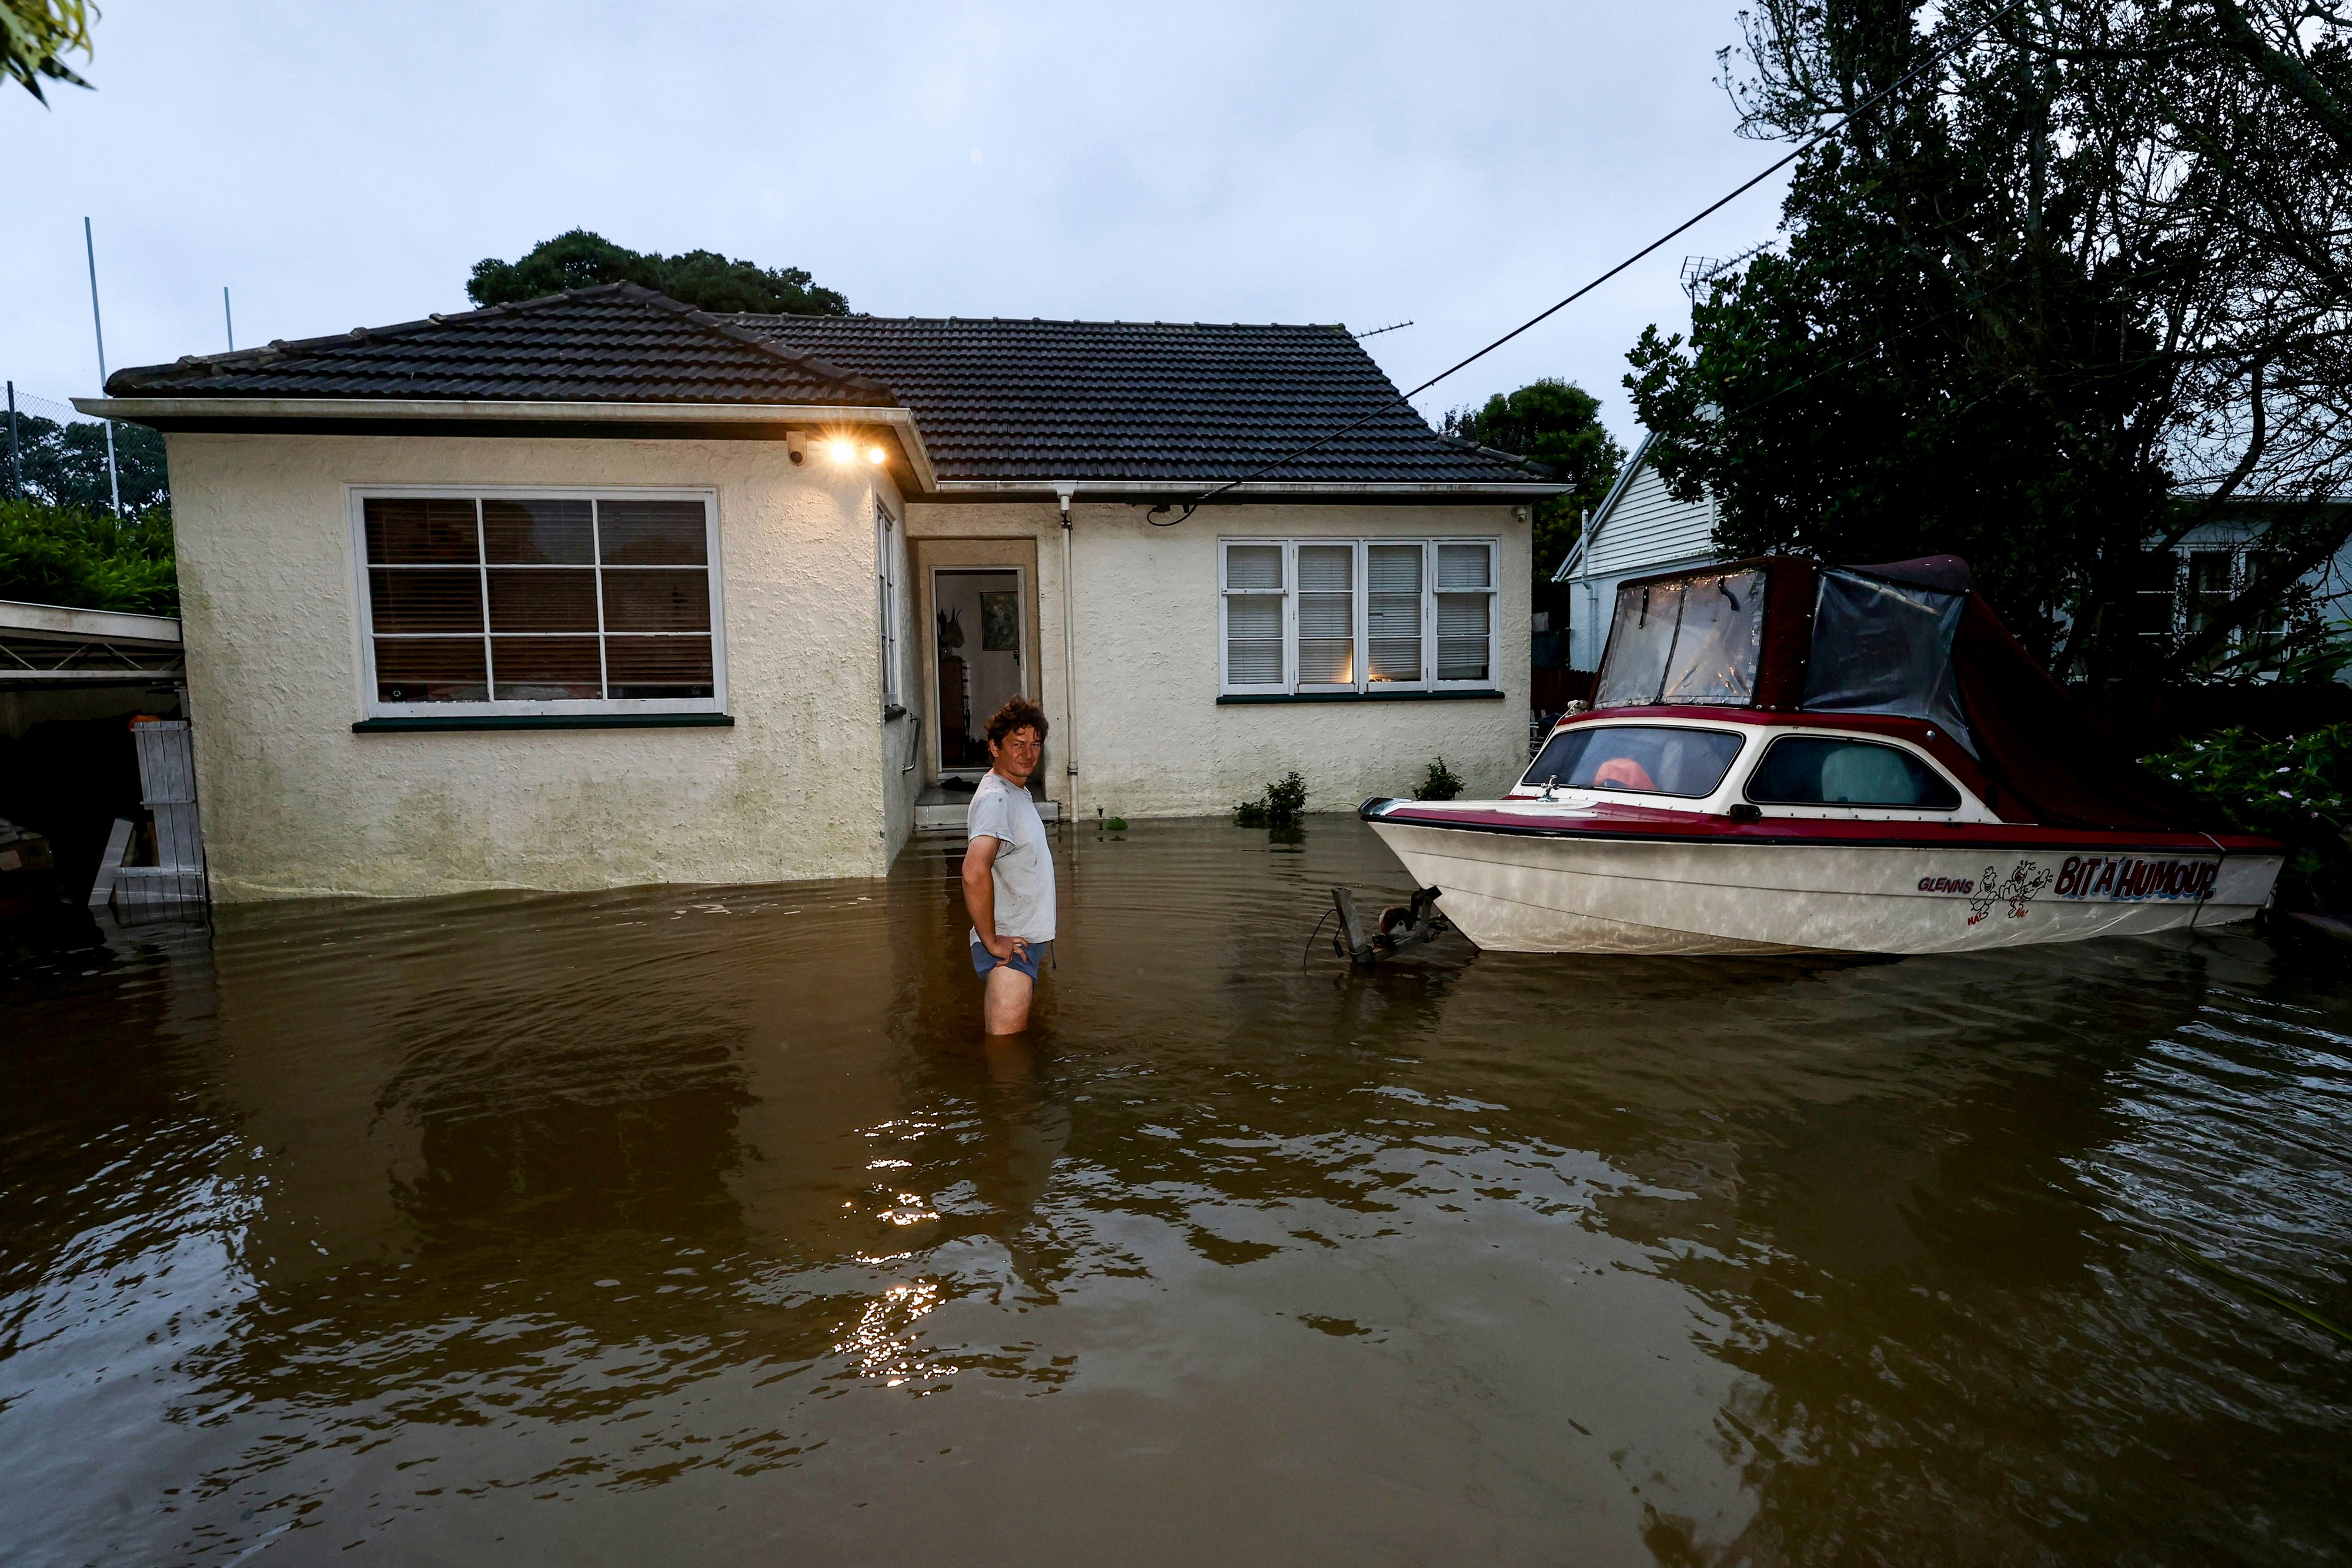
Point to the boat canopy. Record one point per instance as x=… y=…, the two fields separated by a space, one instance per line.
x=1902 y=639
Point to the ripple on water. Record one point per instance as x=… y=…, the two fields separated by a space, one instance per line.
x=687 y=1220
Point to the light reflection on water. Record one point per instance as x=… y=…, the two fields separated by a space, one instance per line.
x=698 y=1223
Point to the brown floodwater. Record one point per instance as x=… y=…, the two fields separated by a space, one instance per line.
x=688 y=1225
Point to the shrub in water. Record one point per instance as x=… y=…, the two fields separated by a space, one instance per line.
x=1283 y=803
x=1117 y=824
x=1442 y=784
x=2295 y=790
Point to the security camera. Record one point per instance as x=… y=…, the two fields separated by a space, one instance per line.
x=796 y=447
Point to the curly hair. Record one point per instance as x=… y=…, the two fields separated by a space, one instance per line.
x=1018 y=714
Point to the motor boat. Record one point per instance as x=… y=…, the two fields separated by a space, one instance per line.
x=1787 y=756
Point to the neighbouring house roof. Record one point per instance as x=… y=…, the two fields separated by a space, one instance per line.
x=618 y=343
x=1029 y=401
x=1639 y=527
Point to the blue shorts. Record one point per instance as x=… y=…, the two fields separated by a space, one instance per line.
x=1024 y=958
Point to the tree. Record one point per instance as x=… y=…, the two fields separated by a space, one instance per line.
x=34 y=33
x=64 y=464
x=2052 y=305
x=86 y=558
x=1556 y=422
x=703 y=278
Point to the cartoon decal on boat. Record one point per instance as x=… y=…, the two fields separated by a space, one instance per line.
x=1783 y=756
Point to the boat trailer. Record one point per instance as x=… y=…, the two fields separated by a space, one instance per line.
x=1402 y=926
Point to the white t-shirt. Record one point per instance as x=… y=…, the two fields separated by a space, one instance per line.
x=1024 y=868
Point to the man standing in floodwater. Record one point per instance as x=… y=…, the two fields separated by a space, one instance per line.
x=1008 y=871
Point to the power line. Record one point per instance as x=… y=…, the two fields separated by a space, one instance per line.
x=1933 y=57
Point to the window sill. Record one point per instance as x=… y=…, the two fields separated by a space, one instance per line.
x=410 y=725
x=1487 y=696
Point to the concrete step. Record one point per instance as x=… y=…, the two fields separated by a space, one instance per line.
x=951 y=819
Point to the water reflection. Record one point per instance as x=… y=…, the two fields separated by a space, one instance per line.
x=649 y=1224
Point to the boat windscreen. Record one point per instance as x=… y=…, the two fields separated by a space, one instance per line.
x=1640 y=758
x=1885 y=647
x=1691 y=641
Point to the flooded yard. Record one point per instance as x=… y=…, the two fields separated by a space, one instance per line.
x=699 y=1226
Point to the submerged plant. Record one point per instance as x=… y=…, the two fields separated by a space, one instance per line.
x=1283 y=803
x=1440 y=783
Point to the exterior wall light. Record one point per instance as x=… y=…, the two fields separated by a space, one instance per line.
x=841 y=449
x=877 y=456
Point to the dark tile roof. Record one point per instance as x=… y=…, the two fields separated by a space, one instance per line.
x=1149 y=402
x=618 y=343
x=1193 y=401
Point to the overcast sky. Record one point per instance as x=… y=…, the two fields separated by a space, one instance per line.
x=344 y=165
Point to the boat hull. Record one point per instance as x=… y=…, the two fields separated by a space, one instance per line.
x=1516 y=892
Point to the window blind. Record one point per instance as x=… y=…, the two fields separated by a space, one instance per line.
x=1465 y=580
x=1356 y=613
x=529 y=601
x=1327 y=614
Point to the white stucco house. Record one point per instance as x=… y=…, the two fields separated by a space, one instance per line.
x=1638 y=530
x=599 y=589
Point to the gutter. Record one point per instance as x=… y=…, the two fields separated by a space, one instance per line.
x=1161 y=489
x=65 y=623
x=265 y=410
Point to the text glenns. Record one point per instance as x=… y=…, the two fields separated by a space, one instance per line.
x=2099 y=876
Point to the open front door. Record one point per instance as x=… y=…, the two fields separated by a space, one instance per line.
x=980 y=633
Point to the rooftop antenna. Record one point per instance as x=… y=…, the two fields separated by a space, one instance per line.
x=227 y=320
x=1698 y=271
x=1378 y=331
x=89 y=248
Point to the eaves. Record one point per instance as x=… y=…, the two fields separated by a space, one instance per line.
x=436 y=416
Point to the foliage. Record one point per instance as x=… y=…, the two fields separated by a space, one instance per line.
x=1283 y=803
x=87 y=558
x=1117 y=824
x=1556 y=422
x=2049 y=306
x=1440 y=784
x=703 y=278
x=64 y=463
x=34 y=33
x=2297 y=790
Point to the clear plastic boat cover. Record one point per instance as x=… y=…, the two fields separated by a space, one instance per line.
x=1885 y=647
x=1691 y=641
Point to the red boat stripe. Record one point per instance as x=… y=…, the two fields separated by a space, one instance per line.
x=1844 y=834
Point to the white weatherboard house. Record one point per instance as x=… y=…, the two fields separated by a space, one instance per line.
x=1637 y=531
x=599 y=589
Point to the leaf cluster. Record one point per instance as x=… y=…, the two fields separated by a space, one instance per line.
x=34 y=33
x=87 y=558
x=63 y=463
x=1283 y=803
x=2297 y=790
x=2050 y=306
x=702 y=278
x=1556 y=422
x=1440 y=783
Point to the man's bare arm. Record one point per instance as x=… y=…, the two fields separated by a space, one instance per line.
x=980 y=895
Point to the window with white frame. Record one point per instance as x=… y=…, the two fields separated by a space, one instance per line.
x=1321 y=615
x=548 y=602
x=886 y=591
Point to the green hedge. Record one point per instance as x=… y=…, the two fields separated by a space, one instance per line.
x=88 y=559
